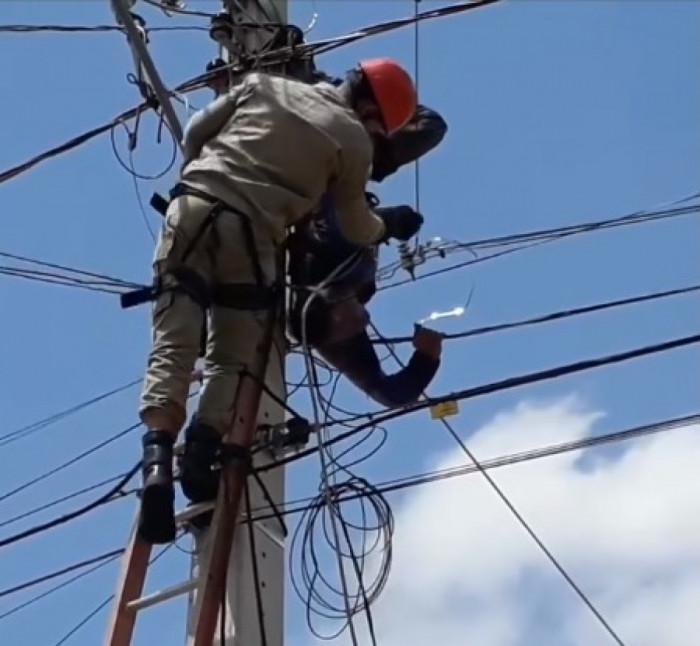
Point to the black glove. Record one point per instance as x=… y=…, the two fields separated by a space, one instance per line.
x=401 y=222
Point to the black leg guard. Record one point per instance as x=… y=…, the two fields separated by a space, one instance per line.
x=199 y=482
x=157 y=517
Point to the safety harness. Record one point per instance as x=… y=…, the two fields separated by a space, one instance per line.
x=243 y=296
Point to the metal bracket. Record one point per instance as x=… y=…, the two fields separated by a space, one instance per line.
x=293 y=435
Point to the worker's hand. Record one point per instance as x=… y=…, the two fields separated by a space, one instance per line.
x=427 y=342
x=401 y=222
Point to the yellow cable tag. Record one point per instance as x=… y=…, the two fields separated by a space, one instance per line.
x=444 y=409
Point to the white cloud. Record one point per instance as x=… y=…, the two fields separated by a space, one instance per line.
x=626 y=528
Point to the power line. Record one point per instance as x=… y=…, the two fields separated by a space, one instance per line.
x=29 y=429
x=496 y=386
x=525 y=524
x=38 y=529
x=416 y=480
x=523 y=241
x=407 y=482
x=265 y=57
x=554 y=316
x=102 y=604
x=66 y=570
x=304 y=505
x=60 y=586
x=70 y=462
x=65 y=498
x=90 y=29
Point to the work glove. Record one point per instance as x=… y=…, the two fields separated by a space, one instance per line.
x=401 y=222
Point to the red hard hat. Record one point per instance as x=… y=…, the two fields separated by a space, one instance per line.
x=393 y=91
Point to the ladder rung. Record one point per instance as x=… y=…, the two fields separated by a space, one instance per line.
x=163 y=595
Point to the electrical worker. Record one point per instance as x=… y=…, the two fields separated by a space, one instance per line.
x=256 y=161
x=332 y=283
x=337 y=319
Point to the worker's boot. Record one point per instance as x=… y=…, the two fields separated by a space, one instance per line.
x=198 y=479
x=157 y=517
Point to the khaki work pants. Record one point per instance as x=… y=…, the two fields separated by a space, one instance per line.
x=219 y=256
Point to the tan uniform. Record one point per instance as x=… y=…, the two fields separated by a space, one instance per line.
x=269 y=148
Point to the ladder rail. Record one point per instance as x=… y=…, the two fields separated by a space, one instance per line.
x=233 y=479
x=129 y=588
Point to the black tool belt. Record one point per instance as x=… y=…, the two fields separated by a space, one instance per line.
x=243 y=296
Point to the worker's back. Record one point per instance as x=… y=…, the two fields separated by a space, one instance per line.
x=276 y=154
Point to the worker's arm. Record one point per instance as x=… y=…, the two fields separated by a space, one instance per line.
x=417 y=138
x=357 y=360
x=208 y=122
x=357 y=223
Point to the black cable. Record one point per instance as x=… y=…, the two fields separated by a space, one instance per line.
x=129 y=167
x=310 y=584
x=58 y=501
x=101 y=605
x=56 y=588
x=526 y=241
x=521 y=519
x=329 y=44
x=108 y=280
x=54 y=575
x=498 y=386
x=28 y=429
x=200 y=81
x=61 y=520
x=522 y=241
x=55 y=279
x=82 y=622
x=70 y=462
x=304 y=505
x=406 y=482
x=88 y=29
x=554 y=316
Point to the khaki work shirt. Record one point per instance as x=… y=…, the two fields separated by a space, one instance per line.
x=272 y=146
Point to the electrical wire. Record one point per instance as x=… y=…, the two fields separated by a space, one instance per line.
x=381 y=417
x=270 y=57
x=62 y=520
x=69 y=463
x=521 y=519
x=64 y=498
x=329 y=44
x=60 y=586
x=35 y=427
x=305 y=505
x=518 y=242
x=99 y=279
x=347 y=540
x=416 y=74
x=367 y=597
x=553 y=316
x=65 y=570
x=102 y=604
x=89 y=29
x=301 y=505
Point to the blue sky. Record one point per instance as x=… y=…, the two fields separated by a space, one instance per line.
x=558 y=113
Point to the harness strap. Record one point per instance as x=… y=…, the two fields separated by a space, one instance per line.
x=244 y=296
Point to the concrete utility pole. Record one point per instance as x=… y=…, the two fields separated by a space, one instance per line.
x=242 y=623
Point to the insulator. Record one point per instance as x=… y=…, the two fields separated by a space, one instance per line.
x=405 y=255
x=221 y=29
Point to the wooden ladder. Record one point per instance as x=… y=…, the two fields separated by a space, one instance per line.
x=211 y=582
